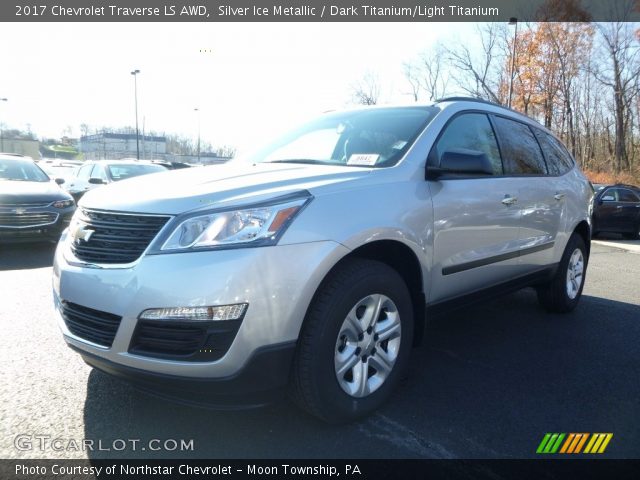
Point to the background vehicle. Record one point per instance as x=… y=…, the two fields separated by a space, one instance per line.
x=313 y=265
x=32 y=206
x=95 y=173
x=616 y=209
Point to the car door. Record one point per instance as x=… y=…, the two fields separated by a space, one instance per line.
x=540 y=196
x=630 y=210
x=605 y=211
x=476 y=221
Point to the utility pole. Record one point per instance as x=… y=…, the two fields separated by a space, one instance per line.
x=513 y=21
x=198 y=110
x=135 y=86
x=1 y=130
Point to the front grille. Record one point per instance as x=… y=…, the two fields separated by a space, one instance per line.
x=116 y=237
x=26 y=219
x=25 y=205
x=93 y=325
x=190 y=341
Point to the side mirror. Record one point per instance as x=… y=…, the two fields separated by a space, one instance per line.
x=96 y=181
x=462 y=161
x=59 y=181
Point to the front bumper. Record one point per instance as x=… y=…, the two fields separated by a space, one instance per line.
x=276 y=282
x=261 y=381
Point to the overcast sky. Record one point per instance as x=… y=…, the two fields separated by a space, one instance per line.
x=251 y=78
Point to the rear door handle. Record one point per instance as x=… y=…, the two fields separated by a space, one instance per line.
x=509 y=200
x=559 y=196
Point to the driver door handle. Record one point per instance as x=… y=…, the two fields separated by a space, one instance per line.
x=559 y=196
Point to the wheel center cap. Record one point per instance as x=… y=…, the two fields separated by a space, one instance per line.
x=367 y=343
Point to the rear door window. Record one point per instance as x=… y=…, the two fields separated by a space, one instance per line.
x=625 y=195
x=520 y=150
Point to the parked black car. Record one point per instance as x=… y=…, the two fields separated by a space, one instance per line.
x=32 y=206
x=616 y=209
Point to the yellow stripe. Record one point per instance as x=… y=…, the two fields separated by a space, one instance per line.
x=605 y=443
x=574 y=443
x=590 y=444
x=598 y=442
x=584 y=439
x=567 y=442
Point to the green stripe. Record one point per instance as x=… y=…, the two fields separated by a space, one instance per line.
x=543 y=443
x=558 y=442
x=547 y=449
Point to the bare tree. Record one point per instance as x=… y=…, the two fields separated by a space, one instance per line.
x=367 y=90
x=412 y=74
x=427 y=73
x=482 y=73
x=620 y=74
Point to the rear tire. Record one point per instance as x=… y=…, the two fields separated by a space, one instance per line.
x=562 y=293
x=355 y=342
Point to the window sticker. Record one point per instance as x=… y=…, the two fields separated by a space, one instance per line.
x=366 y=159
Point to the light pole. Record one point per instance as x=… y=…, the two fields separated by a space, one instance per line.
x=1 y=130
x=135 y=86
x=513 y=21
x=198 y=110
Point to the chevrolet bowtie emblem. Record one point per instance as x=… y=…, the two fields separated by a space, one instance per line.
x=82 y=233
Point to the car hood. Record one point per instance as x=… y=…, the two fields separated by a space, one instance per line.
x=12 y=192
x=236 y=183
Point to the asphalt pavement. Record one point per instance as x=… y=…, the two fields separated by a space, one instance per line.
x=488 y=382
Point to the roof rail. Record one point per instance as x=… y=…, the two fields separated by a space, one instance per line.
x=479 y=100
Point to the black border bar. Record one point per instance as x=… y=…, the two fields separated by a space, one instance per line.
x=584 y=469
x=317 y=10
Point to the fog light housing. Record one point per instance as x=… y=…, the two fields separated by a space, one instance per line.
x=196 y=314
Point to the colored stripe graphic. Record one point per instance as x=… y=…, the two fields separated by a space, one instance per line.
x=574 y=443
x=598 y=442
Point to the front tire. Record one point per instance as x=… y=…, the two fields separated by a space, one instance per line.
x=355 y=342
x=562 y=293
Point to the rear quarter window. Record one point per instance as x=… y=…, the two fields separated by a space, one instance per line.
x=558 y=159
x=521 y=153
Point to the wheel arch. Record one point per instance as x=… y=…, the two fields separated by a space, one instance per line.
x=584 y=230
x=403 y=260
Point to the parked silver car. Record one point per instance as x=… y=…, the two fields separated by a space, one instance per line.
x=312 y=267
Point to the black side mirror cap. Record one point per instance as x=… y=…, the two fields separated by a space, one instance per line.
x=461 y=161
x=59 y=181
x=96 y=181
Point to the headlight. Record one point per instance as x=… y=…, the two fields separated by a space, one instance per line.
x=62 y=203
x=261 y=224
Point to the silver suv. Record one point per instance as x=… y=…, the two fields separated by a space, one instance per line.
x=312 y=266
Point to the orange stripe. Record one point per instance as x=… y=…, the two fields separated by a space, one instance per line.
x=576 y=439
x=580 y=445
x=605 y=443
x=567 y=442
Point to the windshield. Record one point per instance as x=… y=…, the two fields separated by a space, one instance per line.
x=21 y=171
x=128 y=170
x=364 y=138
